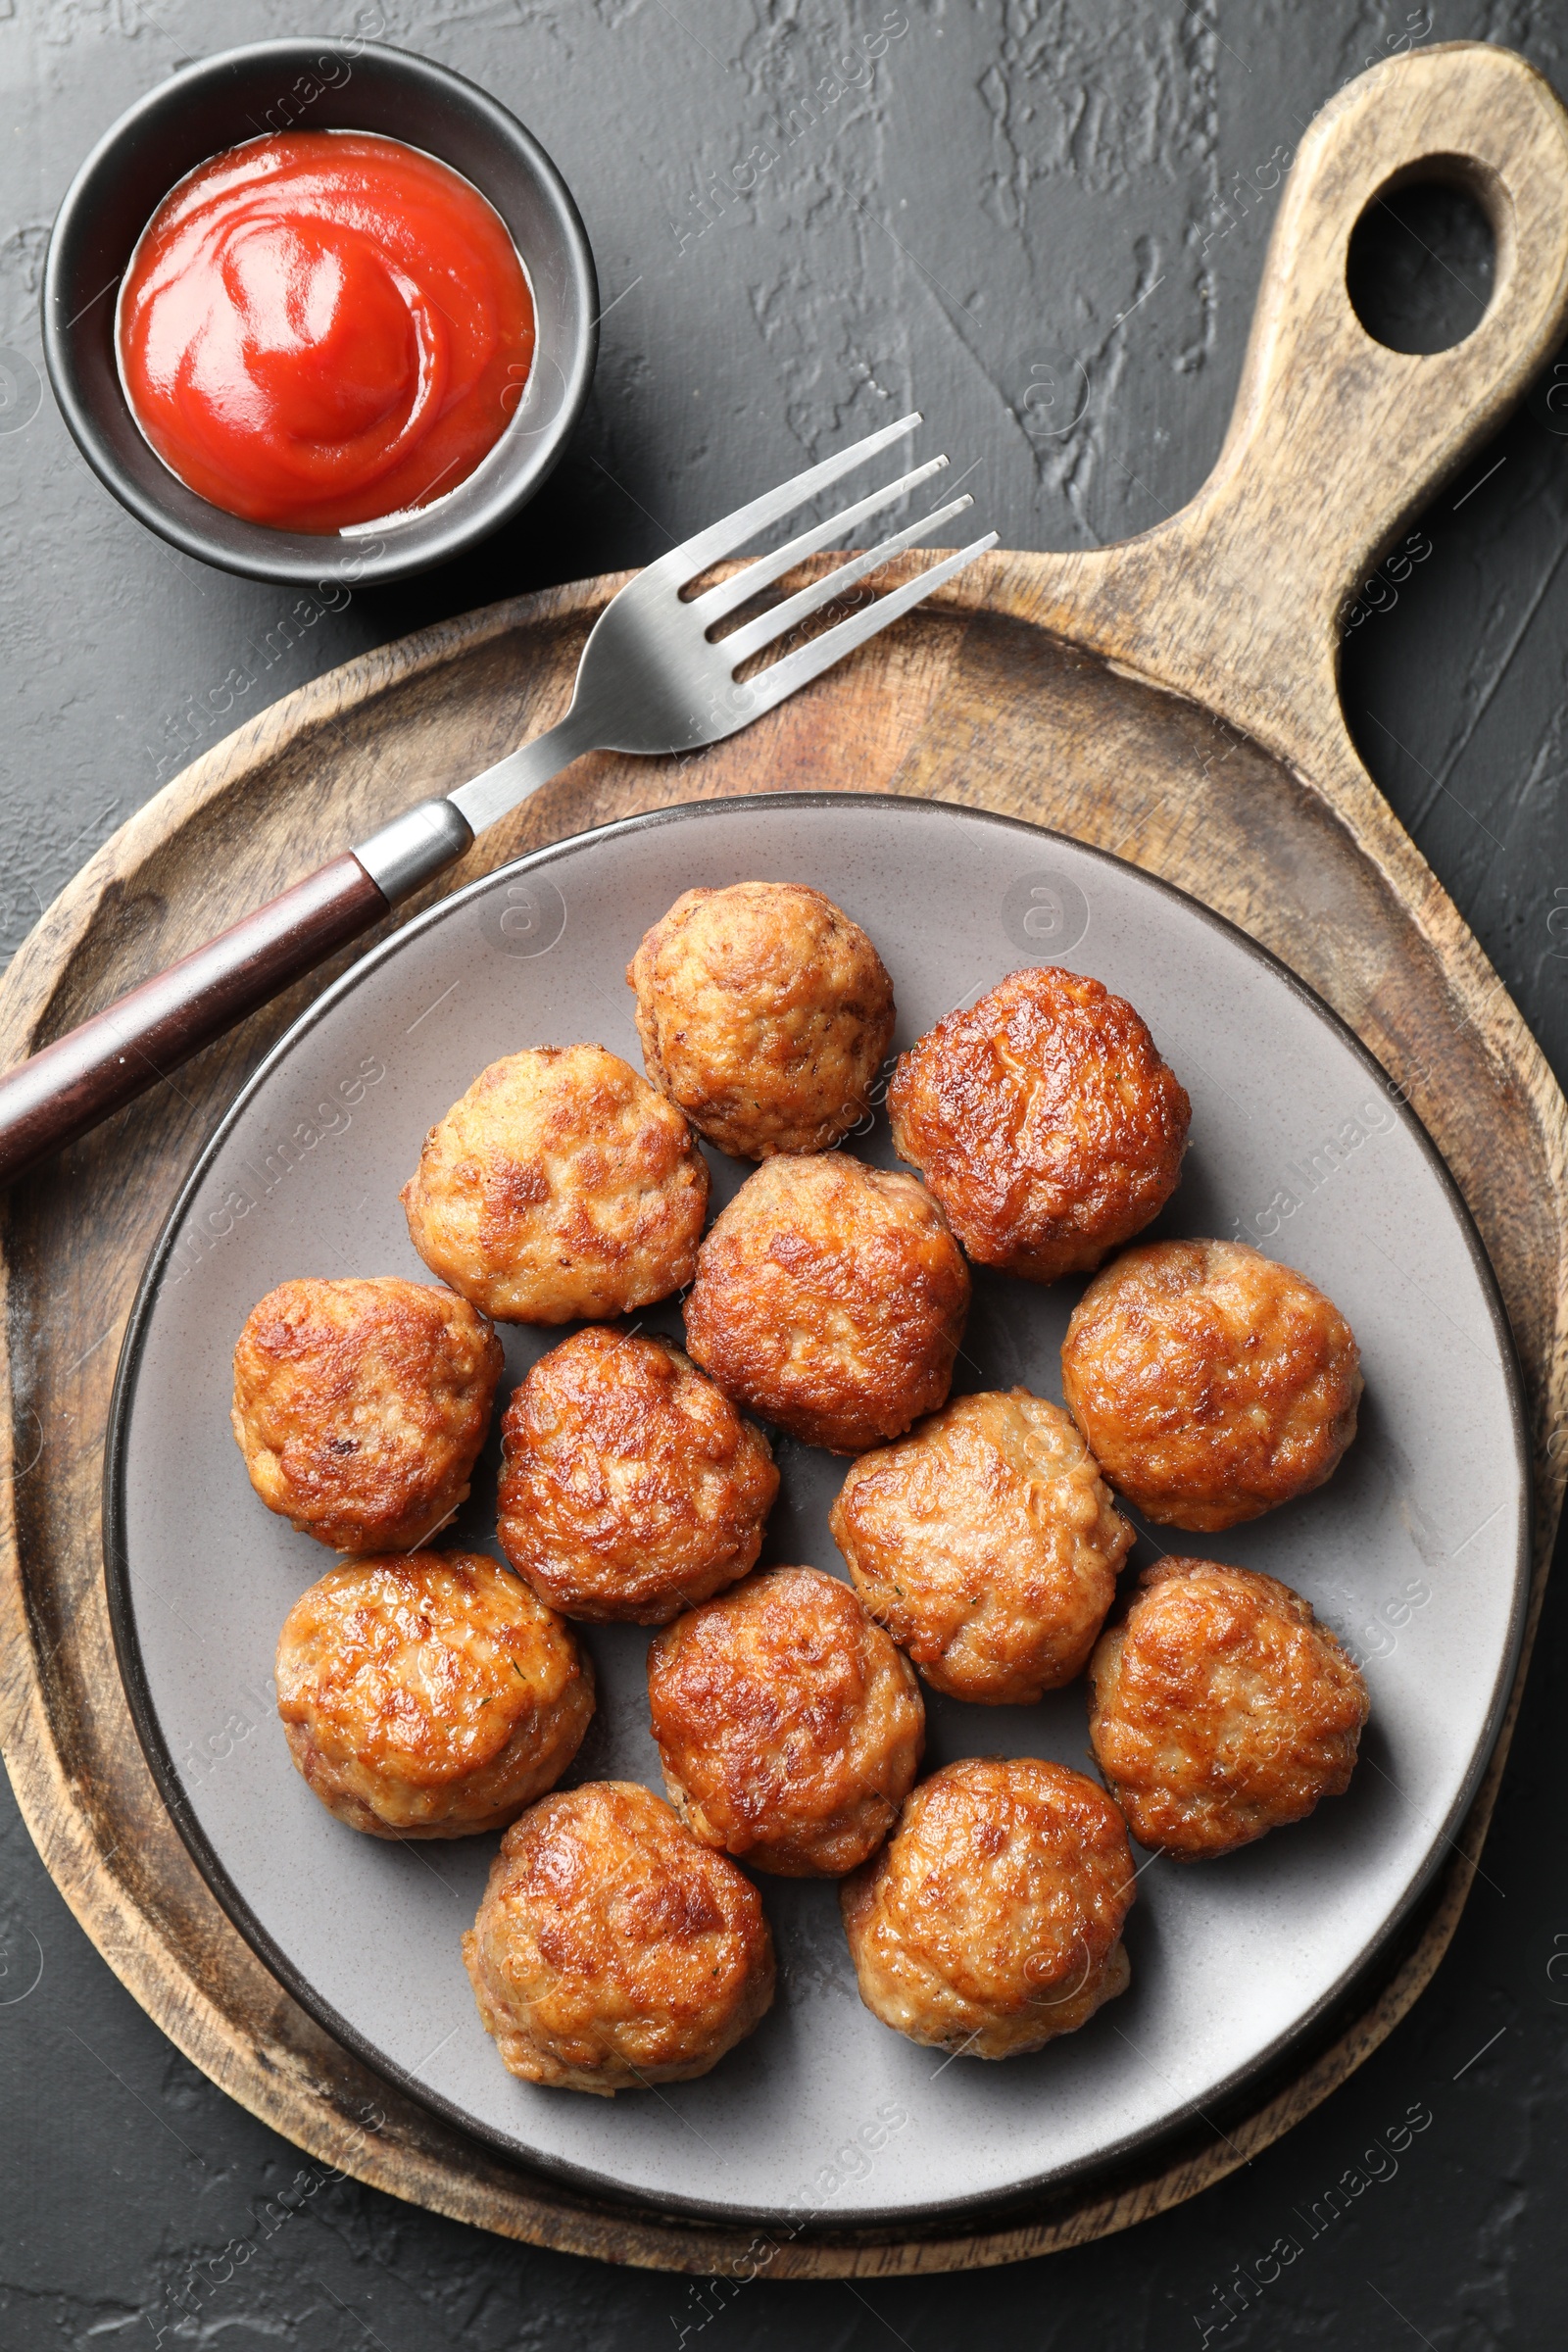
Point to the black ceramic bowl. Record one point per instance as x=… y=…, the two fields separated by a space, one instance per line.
x=325 y=85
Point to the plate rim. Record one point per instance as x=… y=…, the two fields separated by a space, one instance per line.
x=149 y=1732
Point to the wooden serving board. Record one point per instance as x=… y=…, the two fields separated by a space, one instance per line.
x=1172 y=699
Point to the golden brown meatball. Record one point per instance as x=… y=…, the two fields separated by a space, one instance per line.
x=611 y=1951
x=1221 y=1709
x=630 y=1485
x=764 y=1012
x=986 y=1542
x=788 y=1728
x=991 y=1922
x=560 y=1186
x=830 y=1298
x=1043 y=1120
x=429 y=1695
x=1210 y=1383
x=360 y=1408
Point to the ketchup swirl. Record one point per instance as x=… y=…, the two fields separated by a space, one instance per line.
x=324 y=327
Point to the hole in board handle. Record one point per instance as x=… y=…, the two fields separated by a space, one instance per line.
x=1421 y=264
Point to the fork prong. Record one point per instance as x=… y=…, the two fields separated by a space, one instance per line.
x=770 y=686
x=732 y=531
x=714 y=603
x=742 y=643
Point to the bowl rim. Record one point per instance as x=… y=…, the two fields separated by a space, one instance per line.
x=301 y=558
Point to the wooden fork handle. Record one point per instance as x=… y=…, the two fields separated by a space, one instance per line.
x=120 y=1051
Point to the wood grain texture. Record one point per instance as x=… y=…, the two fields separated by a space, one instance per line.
x=1172 y=699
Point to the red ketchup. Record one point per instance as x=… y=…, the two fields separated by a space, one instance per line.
x=324 y=327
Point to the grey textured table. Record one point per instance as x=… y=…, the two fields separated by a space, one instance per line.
x=962 y=194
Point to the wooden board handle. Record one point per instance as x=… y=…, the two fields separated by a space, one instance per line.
x=1336 y=440
x=1238 y=599
x=119 y=1052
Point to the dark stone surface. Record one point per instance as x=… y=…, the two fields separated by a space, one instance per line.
x=1006 y=187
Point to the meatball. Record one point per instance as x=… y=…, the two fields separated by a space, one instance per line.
x=429 y=1695
x=986 y=1542
x=630 y=1487
x=1221 y=1709
x=560 y=1186
x=830 y=1298
x=764 y=1014
x=788 y=1728
x=611 y=1951
x=1210 y=1383
x=360 y=1408
x=1043 y=1120
x=991 y=1922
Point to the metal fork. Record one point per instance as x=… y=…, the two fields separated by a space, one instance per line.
x=652 y=679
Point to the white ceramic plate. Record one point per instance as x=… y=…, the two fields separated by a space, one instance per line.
x=1416 y=1551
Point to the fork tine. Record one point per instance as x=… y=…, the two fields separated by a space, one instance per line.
x=714 y=603
x=772 y=685
x=731 y=531
x=740 y=646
